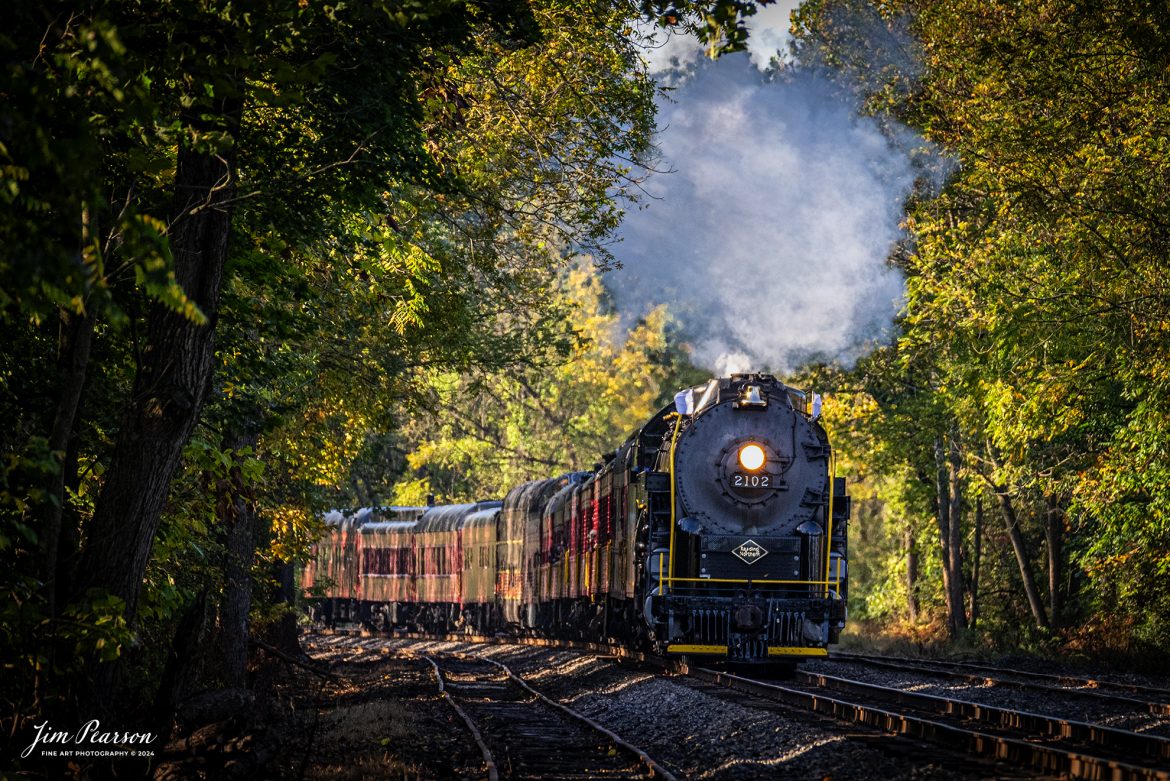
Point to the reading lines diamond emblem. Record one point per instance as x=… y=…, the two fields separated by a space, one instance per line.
x=750 y=551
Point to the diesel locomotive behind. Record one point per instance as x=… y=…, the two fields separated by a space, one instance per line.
x=716 y=530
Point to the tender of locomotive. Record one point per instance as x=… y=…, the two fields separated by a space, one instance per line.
x=716 y=530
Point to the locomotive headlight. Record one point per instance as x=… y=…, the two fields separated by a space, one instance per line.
x=751 y=457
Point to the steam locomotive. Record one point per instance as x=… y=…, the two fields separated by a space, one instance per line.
x=716 y=530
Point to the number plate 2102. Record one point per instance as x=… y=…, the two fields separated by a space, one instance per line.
x=741 y=480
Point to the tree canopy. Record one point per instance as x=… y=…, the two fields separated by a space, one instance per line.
x=1032 y=345
x=239 y=240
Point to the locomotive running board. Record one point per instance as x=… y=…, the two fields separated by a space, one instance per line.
x=797 y=651
x=721 y=650
x=697 y=649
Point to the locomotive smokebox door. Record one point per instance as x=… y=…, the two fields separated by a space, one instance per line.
x=754 y=467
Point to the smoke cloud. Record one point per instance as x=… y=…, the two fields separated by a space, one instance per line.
x=769 y=240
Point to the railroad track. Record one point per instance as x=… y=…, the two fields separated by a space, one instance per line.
x=523 y=734
x=1043 y=743
x=1144 y=698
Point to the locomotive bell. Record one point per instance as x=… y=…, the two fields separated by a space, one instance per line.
x=751 y=397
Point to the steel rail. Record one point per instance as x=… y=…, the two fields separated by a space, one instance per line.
x=1045 y=758
x=926 y=667
x=1056 y=728
x=488 y=760
x=656 y=769
x=1067 y=680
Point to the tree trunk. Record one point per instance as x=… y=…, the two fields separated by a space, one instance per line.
x=284 y=634
x=182 y=662
x=955 y=542
x=942 y=510
x=69 y=543
x=1011 y=520
x=238 y=515
x=73 y=361
x=168 y=393
x=911 y=547
x=1054 y=537
x=169 y=389
x=976 y=556
x=951 y=553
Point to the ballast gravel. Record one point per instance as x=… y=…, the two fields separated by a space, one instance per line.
x=703 y=732
x=1071 y=703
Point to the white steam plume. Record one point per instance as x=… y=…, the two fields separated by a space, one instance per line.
x=769 y=241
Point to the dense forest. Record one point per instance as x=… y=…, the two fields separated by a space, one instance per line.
x=263 y=262
x=1013 y=437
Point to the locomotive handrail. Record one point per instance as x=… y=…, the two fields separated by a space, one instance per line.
x=829 y=525
x=750 y=581
x=673 y=512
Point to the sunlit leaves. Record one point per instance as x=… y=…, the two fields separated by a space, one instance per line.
x=719 y=24
x=445 y=263
x=1037 y=286
x=493 y=431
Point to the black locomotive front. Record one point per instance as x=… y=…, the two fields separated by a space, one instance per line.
x=743 y=532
